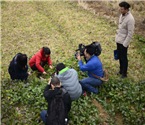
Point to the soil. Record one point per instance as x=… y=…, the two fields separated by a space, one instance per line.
x=104 y=115
x=110 y=11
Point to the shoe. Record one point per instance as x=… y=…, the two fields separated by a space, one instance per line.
x=123 y=76
x=118 y=73
x=84 y=94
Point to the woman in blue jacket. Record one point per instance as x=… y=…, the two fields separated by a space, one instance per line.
x=18 y=67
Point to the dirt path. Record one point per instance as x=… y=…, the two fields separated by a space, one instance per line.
x=104 y=115
x=110 y=11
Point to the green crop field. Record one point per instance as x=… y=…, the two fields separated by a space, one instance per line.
x=29 y=25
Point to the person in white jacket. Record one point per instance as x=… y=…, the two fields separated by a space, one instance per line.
x=123 y=37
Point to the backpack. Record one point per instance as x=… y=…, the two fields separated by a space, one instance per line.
x=56 y=113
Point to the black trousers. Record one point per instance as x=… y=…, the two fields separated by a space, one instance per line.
x=122 y=56
x=41 y=63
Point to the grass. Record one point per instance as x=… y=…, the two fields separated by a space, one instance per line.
x=28 y=26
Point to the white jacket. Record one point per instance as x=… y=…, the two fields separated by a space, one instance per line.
x=125 y=29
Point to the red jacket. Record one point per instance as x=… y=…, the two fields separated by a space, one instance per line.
x=37 y=58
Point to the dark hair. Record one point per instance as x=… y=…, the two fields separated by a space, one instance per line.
x=55 y=81
x=46 y=51
x=125 y=5
x=59 y=67
x=90 y=50
x=22 y=60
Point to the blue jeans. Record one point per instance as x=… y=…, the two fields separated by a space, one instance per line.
x=90 y=83
x=43 y=114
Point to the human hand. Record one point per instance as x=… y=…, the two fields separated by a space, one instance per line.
x=78 y=56
x=44 y=73
x=30 y=73
x=49 y=81
x=50 y=67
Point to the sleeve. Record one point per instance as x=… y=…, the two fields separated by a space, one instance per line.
x=39 y=67
x=88 y=66
x=47 y=92
x=49 y=60
x=130 y=27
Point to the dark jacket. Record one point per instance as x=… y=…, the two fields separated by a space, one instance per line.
x=15 y=71
x=49 y=94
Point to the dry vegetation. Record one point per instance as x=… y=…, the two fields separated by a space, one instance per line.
x=110 y=10
x=62 y=29
x=28 y=26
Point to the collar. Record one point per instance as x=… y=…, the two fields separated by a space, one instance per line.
x=63 y=70
x=126 y=13
x=56 y=88
x=89 y=58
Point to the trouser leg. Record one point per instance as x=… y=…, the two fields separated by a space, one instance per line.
x=90 y=83
x=43 y=115
x=124 y=59
x=41 y=63
x=119 y=56
x=34 y=68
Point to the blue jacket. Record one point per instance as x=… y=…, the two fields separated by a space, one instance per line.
x=15 y=71
x=94 y=66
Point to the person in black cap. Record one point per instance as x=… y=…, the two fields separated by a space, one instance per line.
x=41 y=58
x=18 y=67
x=123 y=37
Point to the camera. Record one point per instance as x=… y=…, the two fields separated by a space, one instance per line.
x=96 y=45
x=81 y=49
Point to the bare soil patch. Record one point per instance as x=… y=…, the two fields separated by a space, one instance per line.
x=104 y=115
x=110 y=10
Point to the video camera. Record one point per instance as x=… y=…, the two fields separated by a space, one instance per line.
x=96 y=45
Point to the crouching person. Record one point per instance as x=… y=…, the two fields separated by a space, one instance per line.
x=70 y=82
x=93 y=66
x=40 y=59
x=18 y=67
x=59 y=104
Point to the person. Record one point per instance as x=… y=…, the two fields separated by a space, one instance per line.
x=93 y=65
x=69 y=80
x=49 y=95
x=41 y=58
x=18 y=67
x=123 y=37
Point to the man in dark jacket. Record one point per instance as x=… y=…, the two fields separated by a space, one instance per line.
x=49 y=94
x=18 y=67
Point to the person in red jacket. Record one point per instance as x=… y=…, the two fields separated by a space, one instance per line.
x=41 y=58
